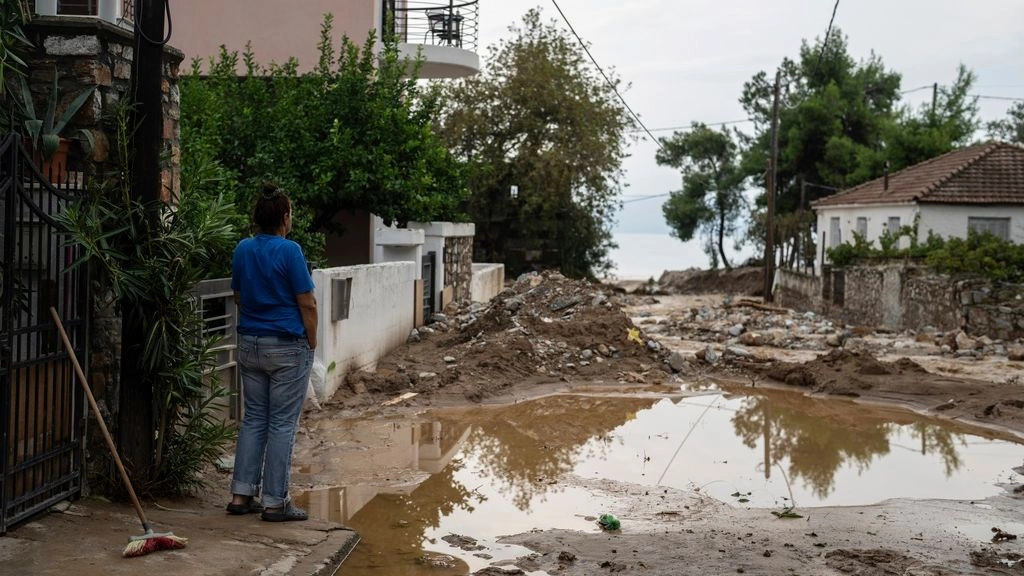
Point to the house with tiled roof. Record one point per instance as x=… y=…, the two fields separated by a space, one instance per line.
x=978 y=187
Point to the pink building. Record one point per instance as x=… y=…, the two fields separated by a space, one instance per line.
x=443 y=31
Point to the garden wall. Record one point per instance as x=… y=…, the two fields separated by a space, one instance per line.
x=902 y=297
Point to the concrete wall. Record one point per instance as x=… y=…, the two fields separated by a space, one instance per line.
x=380 y=317
x=396 y=244
x=488 y=281
x=277 y=31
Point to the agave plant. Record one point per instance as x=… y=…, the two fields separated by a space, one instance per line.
x=46 y=132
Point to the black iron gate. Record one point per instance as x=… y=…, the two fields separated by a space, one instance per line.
x=41 y=405
x=428 y=265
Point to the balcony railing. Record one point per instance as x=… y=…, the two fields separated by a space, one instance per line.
x=436 y=23
x=119 y=12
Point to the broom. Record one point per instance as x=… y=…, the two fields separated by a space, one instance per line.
x=149 y=541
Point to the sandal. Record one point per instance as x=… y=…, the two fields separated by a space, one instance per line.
x=250 y=507
x=286 y=513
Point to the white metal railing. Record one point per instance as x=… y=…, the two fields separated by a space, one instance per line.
x=119 y=12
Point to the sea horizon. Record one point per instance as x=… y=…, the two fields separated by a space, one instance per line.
x=643 y=255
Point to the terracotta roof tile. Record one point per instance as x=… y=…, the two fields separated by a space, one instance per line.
x=988 y=173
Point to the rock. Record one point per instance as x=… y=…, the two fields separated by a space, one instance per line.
x=709 y=355
x=414 y=336
x=834 y=340
x=513 y=304
x=563 y=302
x=427 y=375
x=449 y=359
x=752 y=339
x=598 y=299
x=739 y=352
x=965 y=342
x=736 y=330
x=653 y=345
x=677 y=363
x=587 y=354
x=1015 y=354
x=439 y=317
x=603 y=350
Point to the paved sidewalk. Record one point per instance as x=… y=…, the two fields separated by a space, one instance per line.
x=87 y=538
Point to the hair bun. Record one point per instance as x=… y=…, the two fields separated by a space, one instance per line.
x=270 y=191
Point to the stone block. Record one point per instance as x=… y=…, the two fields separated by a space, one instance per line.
x=73 y=46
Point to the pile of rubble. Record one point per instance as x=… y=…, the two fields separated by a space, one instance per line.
x=745 y=323
x=544 y=326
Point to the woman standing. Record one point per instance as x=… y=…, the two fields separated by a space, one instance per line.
x=276 y=339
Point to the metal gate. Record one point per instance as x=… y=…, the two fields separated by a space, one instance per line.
x=429 y=263
x=41 y=404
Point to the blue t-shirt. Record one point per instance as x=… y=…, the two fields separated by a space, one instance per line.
x=269 y=271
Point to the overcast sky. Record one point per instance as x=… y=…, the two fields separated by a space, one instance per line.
x=687 y=60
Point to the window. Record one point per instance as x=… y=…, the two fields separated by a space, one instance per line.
x=834 y=233
x=893 y=228
x=862 y=227
x=998 y=227
x=77 y=7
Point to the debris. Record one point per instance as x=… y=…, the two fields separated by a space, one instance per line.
x=400 y=399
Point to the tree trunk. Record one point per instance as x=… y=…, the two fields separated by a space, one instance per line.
x=721 y=235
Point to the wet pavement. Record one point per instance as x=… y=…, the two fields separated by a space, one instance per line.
x=449 y=484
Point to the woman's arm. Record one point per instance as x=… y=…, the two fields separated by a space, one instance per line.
x=307 y=307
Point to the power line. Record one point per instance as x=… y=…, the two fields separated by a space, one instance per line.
x=824 y=44
x=687 y=127
x=601 y=70
x=642 y=198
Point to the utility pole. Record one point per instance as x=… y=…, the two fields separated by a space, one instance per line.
x=800 y=225
x=935 y=96
x=136 y=422
x=769 y=245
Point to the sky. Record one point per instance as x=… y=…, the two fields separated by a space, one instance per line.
x=687 y=60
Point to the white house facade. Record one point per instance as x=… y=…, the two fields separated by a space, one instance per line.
x=976 y=188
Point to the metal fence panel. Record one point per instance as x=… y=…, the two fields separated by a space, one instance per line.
x=41 y=404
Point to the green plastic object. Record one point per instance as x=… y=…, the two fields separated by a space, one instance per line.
x=608 y=522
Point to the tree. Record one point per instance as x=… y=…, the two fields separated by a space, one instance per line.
x=538 y=118
x=841 y=124
x=356 y=132
x=1011 y=128
x=711 y=199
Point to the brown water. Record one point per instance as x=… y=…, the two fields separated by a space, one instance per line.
x=496 y=471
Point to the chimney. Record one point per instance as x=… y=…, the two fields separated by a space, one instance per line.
x=885 y=181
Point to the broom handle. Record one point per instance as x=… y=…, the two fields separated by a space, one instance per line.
x=99 y=419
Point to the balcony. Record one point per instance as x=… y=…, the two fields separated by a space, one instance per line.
x=444 y=32
x=117 y=12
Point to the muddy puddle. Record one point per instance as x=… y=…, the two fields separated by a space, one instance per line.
x=447 y=485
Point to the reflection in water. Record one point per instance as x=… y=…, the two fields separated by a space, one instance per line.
x=506 y=470
x=817 y=438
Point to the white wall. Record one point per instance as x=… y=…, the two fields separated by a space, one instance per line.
x=878 y=219
x=951 y=220
x=391 y=244
x=380 y=318
x=488 y=280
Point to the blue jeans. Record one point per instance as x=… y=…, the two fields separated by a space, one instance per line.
x=275 y=377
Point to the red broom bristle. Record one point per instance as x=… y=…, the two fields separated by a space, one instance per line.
x=144 y=546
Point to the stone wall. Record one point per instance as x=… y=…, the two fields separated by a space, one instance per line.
x=908 y=298
x=86 y=52
x=458 y=266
